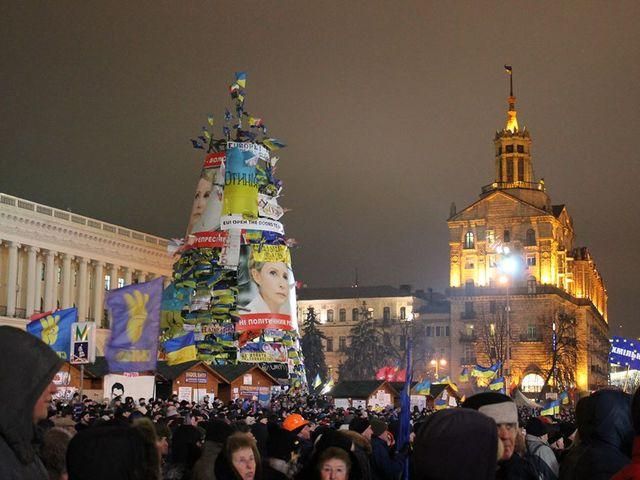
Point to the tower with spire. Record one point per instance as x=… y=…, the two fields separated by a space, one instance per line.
x=514 y=219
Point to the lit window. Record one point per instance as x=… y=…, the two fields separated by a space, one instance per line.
x=59 y=275
x=107 y=282
x=329 y=315
x=531 y=260
x=469 y=240
x=532 y=383
x=120 y=282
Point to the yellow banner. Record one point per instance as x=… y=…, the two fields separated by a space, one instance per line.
x=271 y=253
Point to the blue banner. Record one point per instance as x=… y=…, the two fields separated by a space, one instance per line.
x=625 y=352
x=135 y=326
x=55 y=330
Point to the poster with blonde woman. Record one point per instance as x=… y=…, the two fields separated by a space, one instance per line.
x=266 y=288
x=207 y=202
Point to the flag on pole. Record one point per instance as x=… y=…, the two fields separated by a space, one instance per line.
x=54 y=329
x=497 y=384
x=464 y=375
x=508 y=69
x=552 y=408
x=135 y=326
x=564 y=398
x=423 y=388
x=317 y=381
x=485 y=372
x=181 y=349
x=327 y=387
x=404 y=429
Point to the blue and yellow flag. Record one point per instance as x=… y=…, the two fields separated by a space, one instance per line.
x=497 y=384
x=327 y=387
x=464 y=375
x=273 y=144
x=552 y=408
x=241 y=79
x=181 y=349
x=440 y=404
x=564 y=398
x=485 y=372
x=135 y=326
x=55 y=330
x=423 y=388
x=317 y=381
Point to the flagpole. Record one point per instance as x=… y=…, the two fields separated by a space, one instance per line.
x=81 y=379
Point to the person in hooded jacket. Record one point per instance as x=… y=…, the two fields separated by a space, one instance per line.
x=474 y=438
x=605 y=437
x=27 y=368
x=217 y=433
x=632 y=470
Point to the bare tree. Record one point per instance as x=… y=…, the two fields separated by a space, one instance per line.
x=493 y=336
x=561 y=346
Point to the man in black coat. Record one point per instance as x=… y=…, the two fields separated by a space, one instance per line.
x=27 y=368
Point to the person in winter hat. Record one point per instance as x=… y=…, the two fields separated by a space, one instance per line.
x=504 y=412
x=456 y=443
x=27 y=368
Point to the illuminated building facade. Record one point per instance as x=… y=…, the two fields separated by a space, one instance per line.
x=52 y=258
x=515 y=220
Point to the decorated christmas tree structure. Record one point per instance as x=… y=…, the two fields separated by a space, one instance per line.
x=233 y=291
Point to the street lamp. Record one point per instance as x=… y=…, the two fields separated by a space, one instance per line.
x=508 y=265
x=439 y=362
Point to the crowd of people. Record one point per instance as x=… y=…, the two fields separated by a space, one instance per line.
x=297 y=436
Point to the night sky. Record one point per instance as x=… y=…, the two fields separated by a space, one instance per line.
x=389 y=110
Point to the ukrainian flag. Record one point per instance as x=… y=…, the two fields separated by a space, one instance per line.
x=423 y=388
x=317 y=381
x=181 y=349
x=440 y=404
x=464 y=375
x=552 y=408
x=564 y=398
x=327 y=387
x=497 y=384
x=485 y=372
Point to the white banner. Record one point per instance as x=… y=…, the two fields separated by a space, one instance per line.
x=268 y=207
x=83 y=343
x=229 y=222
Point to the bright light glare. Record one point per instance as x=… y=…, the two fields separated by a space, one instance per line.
x=503 y=279
x=509 y=265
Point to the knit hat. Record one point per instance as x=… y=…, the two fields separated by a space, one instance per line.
x=495 y=405
x=378 y=427
x=359 y=424
x=281 y=443
x=536 y=427
x=172 y=411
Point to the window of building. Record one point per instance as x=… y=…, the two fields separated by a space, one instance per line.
x=330 y=315
x=468 y=264
x=329 y=344
x=447 y=331
x=469 y=240
x=506 y=236
x=531 y=284
x=509 y=172
x=532 y=331
x=44 y=270
x=386 y=340
x=75 y=278
x=520 y=148
x=386 y=314
x=59 y=275
x=532 y=383
x=438 y=331
x=520 y=168
x=530 y=237
x=342 y=343
x=509 y=148
x=491 y=237
x=120 y=282
x=354 y=314
x=343 y=315
x=403 y=313
x=468 y=308
x=107 y=282
x=428 y=331
x=531 y=260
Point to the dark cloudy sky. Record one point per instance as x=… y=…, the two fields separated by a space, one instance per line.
x=389 y=109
